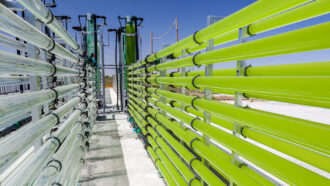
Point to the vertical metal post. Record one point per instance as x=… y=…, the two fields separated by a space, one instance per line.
x=183 y=88
x=122 y=73
x=34 y=80
x=208 y=92
x=163 y=86
x=239 y=95
x=176 y=29
x=103 y=71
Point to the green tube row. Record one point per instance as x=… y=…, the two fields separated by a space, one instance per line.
x=291 y=89
x=156 y=159
x=299 y=123
x=303 y=132
x=196 y=165
x=285 y=170
x=228 y=169
x=300 y=69
x=221 y=153
x=168 y=164
x=190 y=159
x=252 y=173
x=302 y=40
x=309 y=156
x=304 y=90
x=307 y=11
x=253 y=13
x=304 y=154
x=152 y=141
x=187 y=174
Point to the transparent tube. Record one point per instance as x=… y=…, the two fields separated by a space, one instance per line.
x=9 y=121
x=12 y=43
x=11 y=106
x=70 y=161
x=68 y=148
x=70 y=165
x=12 y=80
x=68 y=155
x=14 y=145
x=16 y=26
x=38 y=9
x=15 y=64
x=76 y=173
x=34 y=164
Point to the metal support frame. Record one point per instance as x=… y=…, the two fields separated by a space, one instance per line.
x=24 y=166
x=239 y=95
x=34 y=80
x=163 y=86
x=103 y=71
x=122 y=73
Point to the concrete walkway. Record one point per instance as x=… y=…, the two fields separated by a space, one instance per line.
x=117 y=156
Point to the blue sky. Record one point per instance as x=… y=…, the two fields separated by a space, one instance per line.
x=158 y=16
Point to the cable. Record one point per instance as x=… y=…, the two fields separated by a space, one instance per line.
x=170 y=28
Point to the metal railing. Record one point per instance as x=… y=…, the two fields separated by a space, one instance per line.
x=222 y=143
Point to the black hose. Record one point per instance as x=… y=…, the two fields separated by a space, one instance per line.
x=121 y=75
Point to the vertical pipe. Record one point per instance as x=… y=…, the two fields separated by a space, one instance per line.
x=116 y=64
x=121 y=64
x=208 y=92
x=103 y=72
x=177 y=29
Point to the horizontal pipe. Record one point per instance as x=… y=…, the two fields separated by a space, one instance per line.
x=167 y=163
x=70 y=145
x=13 y=80
x=38 y=9
x=16 y=26
x=154 y=140
x=301 y=13
x=298 y=69
x=160 y=165
x=220 y=153
x=305 y=90
x=12 y=105
x=303 y=132
x=169 y=179
x=197 y=166
x=227 y=168
x=15 y=64
x=252 y=13
x=12 y=43
x=69 y=148
x=282 y=168
x=28 y=172
x=304 y=154
x=301 y=40
x=14 y=145
x=72 y=165
x=73 y=178
x=184 y=170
